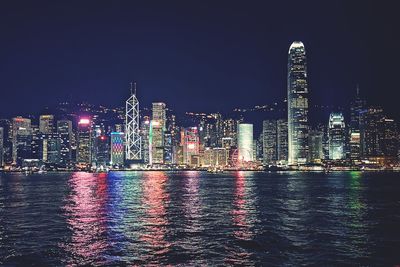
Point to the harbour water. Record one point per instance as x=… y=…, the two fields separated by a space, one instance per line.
x=196 y=218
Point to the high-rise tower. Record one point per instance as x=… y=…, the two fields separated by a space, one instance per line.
x=297 y=104
x=133 y=149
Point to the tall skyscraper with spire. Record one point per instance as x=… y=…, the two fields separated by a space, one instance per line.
x=297 y=104
x=133 y=151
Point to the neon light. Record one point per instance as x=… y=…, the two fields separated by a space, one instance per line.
x=84 y=121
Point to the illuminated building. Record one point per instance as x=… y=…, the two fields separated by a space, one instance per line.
x=282 y=140
x=297 y=104
x=84 y=142
x=270 y=146
x=46 y=124
x=388 y=137
x=227 y=142
x=117 y=148
x=144 y=133
x=369 y=132
x=64 y=129
x=133 y=149
x=230 y=130
x=52 y=144
x=168 y=148
x=245 y=142
x=191 y=145
x=337 y=136
x=21 y=139
x=1 y=147
x=356 y=107
x=156 y=135
x=101 y=157
x=215 y=157
x=315 y=139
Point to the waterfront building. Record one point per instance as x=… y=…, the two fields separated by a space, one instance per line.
x=191 y=145
x=245 y=142
x=156 y=135
x=270 y=149
x=21 y=139
x=388 y=138
x=215 y=157
x=282 y=140
x=84 y=150
x=297 y=89
x=52 y=146
x=133 y=150
x=117 y=149
x=357 y=105
x=337 y=136
x=101 y=157
x=64 y=129
x=144 y=133
x=315 y=141
x=46 y=124
x=369 y=131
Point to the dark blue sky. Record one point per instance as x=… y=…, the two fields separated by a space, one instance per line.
x=194 y=55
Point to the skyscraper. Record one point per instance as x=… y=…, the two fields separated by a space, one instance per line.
x=315 y=141
x=21 y=139
x=117 y=148
x=144 y=133
x=245 y=142
x=157 y=129
x=64 y=129
x=297 y=104
x=270 y=151
x=356 y=107
x=133 y=149
x=191 y=145
x=46 y=124
x=282 y=140
x=337 y=136
x=84 y=142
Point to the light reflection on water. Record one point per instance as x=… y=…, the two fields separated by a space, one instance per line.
x=196 y=218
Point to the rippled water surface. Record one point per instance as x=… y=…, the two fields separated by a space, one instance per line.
x=197 y=218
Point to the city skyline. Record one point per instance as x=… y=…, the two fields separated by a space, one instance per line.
x=240 y=51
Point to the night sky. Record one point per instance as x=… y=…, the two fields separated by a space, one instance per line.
x=194 y=55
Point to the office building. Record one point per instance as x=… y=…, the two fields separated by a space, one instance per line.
x=245 y=142
x=84 y=151
x=46 y=124
x=297 y=89
x=337 y=136
x=117 y=149
x=21 y=139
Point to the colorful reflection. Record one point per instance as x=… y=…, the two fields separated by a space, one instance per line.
x=242 y=215
x=85 y=211
x=191 y=201
x=155 y=200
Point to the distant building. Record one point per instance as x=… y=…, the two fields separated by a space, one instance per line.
x=369 y=131
x=84 y=142
x=64 y=129
x=101 y=151
x=191 y=145
x=337 y=136
x=215 y=157
x=46 y=124
x=282 y=140
x=297 y=101
x=144 y=133
x=156 y=135
x=315 y=141
x=245 y=142
x=117 y=148
x=357 y=105
x=270 y=142
x=21 y=139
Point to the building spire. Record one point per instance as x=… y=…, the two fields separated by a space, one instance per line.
x=358 y=90
x=133 y=87
x=131 y=83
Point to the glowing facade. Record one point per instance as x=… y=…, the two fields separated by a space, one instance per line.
x=133 y=149
x=46 y=124
x=156 y=135
x=117 y=148
x=297 y=104
x=191 y=144
x=245 y=142
x=337 y=136
x=21 y=139
x=84 y=150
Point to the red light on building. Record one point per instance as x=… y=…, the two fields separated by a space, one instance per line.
x=84 y=121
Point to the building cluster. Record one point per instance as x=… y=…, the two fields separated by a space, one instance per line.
x=155 y=140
